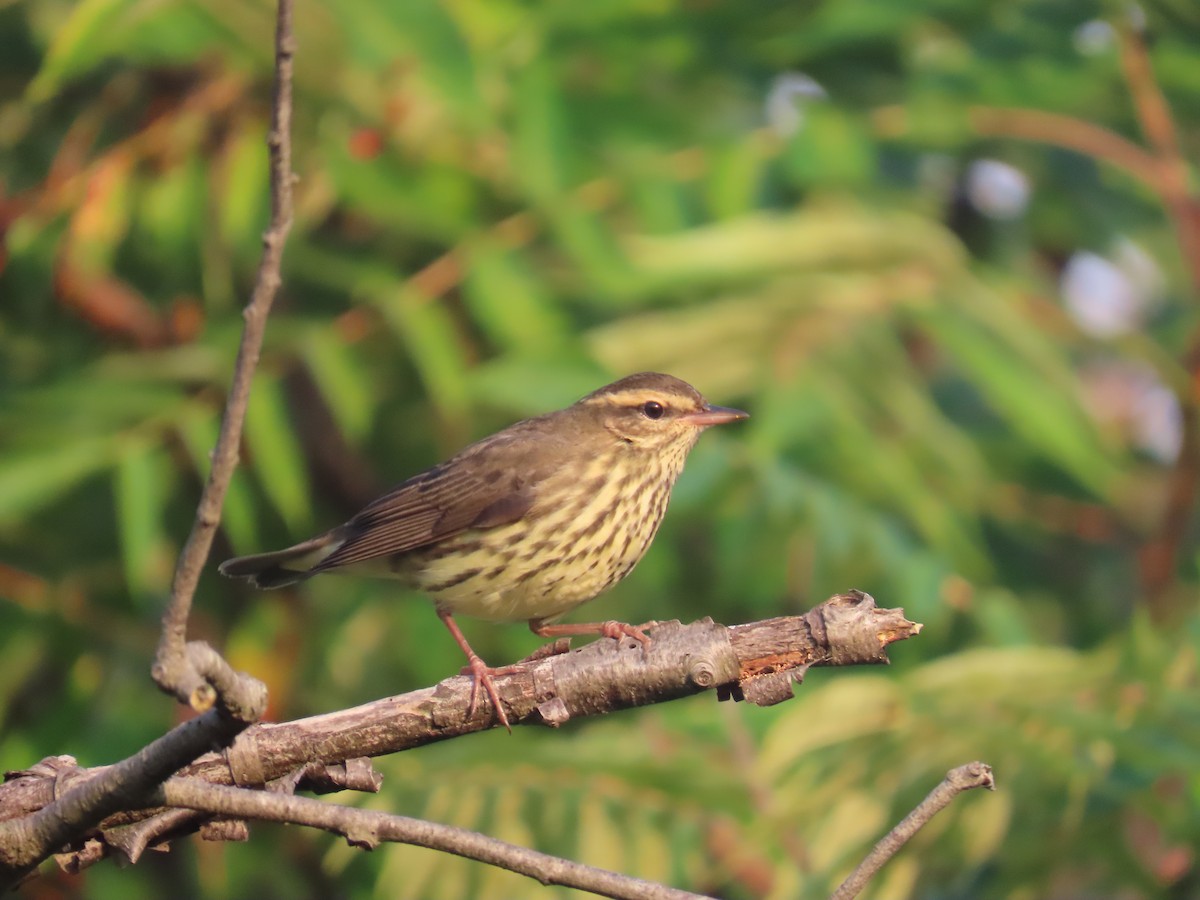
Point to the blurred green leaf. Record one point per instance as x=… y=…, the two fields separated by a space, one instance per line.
x=430 y=336
x=342 y=380
x=764 y=244
x=592 y=246
x=534 y=387
x=30 y=482
x=77 y=44
x=1049 y=420
x=163 y=231
x=242 y=206
x=540 y=142
x=509 y=301
x=436 y=200
x=238 y=517
x=735 y=180
x=832 y=149
x=276 y=459
x=425 y=29
x=660 y=203
x=141 y=487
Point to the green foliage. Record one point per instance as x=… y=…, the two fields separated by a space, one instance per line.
x=502 y=206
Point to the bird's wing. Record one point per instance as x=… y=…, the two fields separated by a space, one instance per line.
x=489 y=484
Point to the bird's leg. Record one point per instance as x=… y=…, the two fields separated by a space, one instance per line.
x=480 y=673
x=610 y=629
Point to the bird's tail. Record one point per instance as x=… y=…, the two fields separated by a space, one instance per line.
x=283 y=567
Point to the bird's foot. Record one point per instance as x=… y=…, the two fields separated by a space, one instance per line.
x=610 y=629
x=483 y=676
x=617 y=630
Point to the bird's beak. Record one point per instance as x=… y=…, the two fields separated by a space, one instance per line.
x=714 y=415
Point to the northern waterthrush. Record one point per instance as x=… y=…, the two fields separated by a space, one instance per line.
x=526 y=524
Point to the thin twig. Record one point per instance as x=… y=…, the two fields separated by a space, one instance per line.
x=189 y=671
x=1070 y=133
x=1160 y=554
x=194 y=672
x=1042 y=127
x=964 y=778
x=1154 y=115
x=369 y=828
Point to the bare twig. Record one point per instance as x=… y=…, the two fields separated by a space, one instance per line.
x=133 y=839
x=1043 y=127
x=964 y=778
x=1160 y=554
x=193 y=672
x=1159 y=128
x=368 y=828
x=1070 y=133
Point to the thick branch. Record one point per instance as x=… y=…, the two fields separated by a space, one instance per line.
x=758 y=662
x=75 y=808
x=964 y=778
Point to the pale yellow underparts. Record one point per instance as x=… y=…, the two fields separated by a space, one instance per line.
x=511 y=574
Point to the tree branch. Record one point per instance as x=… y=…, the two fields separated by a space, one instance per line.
x=964 y=778
x=193 y=672
x=1043 y=127
x=368 y=828
x=757 y=662
x=76 y=806
x=1159 y=556
x=1158 y=126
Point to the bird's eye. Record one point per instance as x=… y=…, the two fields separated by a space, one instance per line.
x=652 y=409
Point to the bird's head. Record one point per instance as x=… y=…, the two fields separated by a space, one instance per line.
x=653 y=412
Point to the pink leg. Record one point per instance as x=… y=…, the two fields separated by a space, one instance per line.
x=478 y=669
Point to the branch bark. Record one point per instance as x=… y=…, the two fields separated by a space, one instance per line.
x=73 y=810
x=368 y=828
x=758 y=662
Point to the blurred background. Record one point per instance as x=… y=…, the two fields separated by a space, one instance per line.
x=944 y=252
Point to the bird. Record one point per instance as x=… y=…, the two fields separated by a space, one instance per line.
x=526 y=524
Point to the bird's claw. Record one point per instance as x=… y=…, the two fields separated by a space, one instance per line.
x=618 y=630
x=481 y=674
